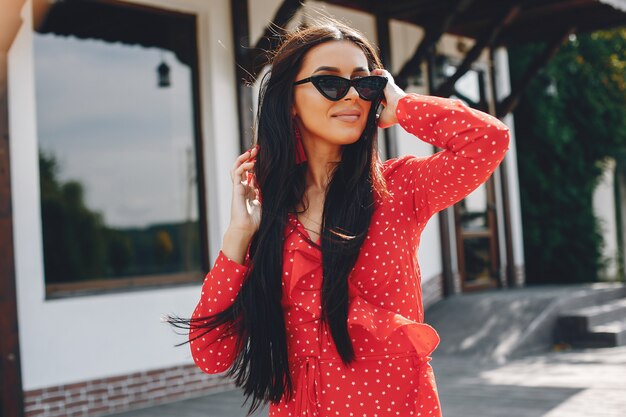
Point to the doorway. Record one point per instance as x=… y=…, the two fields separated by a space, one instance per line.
x=475 y=216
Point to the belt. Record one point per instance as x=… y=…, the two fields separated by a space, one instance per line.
x=308 y=390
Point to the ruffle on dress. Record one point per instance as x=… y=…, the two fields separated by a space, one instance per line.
x=382 y=323
x=304 y=291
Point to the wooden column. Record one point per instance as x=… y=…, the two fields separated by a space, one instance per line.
x=504 y=186
x=384 y=45
x=444 y=223
x=241 y=42
x=11 y=391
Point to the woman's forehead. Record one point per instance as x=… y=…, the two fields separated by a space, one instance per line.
x=335 y=56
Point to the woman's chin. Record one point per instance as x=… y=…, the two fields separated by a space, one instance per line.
x=347 y=139
x=348 y=136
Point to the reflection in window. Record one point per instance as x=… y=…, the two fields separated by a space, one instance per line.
x=118 y=174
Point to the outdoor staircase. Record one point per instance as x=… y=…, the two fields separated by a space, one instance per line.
x=500 y=325
x=596 y=322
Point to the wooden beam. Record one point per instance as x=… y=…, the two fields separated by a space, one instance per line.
x=507 y=15
x=431 y=37
x=11 y=391
x=241 y=42
x=271 y=37
x=463 y=97
x=384 y=45
x=508 y=104
x=251 y=61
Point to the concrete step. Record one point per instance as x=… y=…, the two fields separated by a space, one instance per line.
x=600 y=295
x=581 y=320
x=603 y=335
x=500 y=325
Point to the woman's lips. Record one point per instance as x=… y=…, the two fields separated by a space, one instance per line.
x=349 y=117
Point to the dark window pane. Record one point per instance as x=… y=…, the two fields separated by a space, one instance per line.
x=473 y=210
x=119 y=190
x=477 y=260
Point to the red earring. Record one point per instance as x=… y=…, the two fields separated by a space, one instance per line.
x=300 y=155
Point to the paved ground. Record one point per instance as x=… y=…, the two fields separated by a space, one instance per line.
x=577 y=383
x=589 y=383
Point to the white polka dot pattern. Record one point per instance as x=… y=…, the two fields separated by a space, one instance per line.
x=214 y=353
x=392 y=375
x=474 y=143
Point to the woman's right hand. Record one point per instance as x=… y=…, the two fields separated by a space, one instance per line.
x=245 y=211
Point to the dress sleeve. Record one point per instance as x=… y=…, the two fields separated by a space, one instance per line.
x=474 y=144
x=214 y=350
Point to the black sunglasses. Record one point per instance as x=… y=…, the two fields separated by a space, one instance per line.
x=335 y=88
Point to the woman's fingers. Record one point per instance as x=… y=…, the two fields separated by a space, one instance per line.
x=241 y=172
x=245 y=213
x=240 y=163
x=245 y=156
x=392 y=94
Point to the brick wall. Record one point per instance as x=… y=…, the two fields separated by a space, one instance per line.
x=432 y=291
x=144 y=389
x=121 y=393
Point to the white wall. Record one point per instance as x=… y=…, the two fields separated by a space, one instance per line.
x=604 y=208
x=75 y=339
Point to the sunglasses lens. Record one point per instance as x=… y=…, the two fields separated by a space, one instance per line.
x=369 y=87
x=332 y=87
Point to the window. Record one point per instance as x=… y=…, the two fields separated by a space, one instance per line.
x=119 y=148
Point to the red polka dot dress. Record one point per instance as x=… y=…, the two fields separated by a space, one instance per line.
x=391 y=375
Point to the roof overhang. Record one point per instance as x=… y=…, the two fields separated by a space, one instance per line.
x=537 y=20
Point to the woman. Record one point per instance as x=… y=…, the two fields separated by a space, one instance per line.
x=314 y=301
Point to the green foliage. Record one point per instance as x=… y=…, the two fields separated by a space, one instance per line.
x=563 y=136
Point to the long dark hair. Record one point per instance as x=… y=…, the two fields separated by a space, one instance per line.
x=261 y=366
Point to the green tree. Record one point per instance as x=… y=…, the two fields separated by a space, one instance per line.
x=570 y=119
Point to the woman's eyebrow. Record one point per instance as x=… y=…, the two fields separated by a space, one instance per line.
x=335 y=69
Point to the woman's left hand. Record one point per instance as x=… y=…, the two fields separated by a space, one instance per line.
x=393 y=94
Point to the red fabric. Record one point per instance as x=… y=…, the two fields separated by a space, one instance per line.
x=392 y=375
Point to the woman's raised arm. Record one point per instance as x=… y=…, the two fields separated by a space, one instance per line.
x=474 y=144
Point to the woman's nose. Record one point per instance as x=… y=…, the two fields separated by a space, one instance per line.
x=352 y=94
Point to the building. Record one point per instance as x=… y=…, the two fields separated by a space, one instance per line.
x=124 y=118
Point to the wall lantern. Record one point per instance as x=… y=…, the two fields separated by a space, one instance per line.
x=163 y=71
